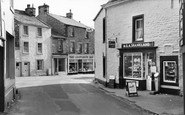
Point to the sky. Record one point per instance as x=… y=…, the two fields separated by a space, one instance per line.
x=83 y=10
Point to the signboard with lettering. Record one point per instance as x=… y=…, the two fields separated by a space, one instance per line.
x=143 y=44
x=112 y=44
x=81 y=56
x=131 y=88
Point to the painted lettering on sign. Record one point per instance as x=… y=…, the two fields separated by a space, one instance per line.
x=144 y=44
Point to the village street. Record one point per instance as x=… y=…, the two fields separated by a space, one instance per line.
x=67 y=95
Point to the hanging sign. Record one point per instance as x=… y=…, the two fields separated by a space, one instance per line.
x=1 y=42
x=112 y=44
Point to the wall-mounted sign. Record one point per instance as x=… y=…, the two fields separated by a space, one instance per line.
x=112 y=44
x=1 y=42
x=143 y=44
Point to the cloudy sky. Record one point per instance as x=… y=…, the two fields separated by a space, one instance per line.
x=83 y=10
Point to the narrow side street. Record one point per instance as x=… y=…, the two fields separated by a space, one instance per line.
x=68 y=95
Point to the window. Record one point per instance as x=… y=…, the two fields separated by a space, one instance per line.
x=170 y=71
x=70 y=31
x=25 y=30
x=60 y=45
x=87 y=34
x=72 y=47
x=86 y=48
x=39 y=50
x=39 y=31
x=79 y=47
x=138 y=28
x=104 y=29
x=26 y=47
x=40 y=65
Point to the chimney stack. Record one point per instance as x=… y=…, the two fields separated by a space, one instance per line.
x=69 y=15
x=44 y=9
x=30 y=10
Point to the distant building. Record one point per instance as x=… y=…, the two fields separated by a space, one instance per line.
x=72 y=43
x=32 y=44
x=134 y=39
x=7 y=58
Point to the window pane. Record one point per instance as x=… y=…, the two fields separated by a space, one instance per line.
x=128 y=65
x=39 y=31
x=26 y=30
x=137 y=66
x=170 y=71
x=26 y=47
x=39 y=64
x=39 y=47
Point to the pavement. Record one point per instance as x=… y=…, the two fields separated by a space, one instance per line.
x=160 y=104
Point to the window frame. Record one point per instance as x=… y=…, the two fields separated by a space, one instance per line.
x=38 y=66
x=86 y=48
x=38 y=52
x=24 y=51
x=60 y=45
x=72 y=49
x=80 y=48
x=25 y=32
x=71 y=32
x=39 y=32
x=135 y=29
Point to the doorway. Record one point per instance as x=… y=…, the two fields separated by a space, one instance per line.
x=26 y=69
x=18 y=69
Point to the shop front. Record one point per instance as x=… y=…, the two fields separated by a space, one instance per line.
x=80 y=64
x=136 y=60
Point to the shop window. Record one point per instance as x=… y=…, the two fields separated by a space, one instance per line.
x=88 y=65
x=25 y=28
x=26 y=47
x=138 y=65
x=72 y=47
x=72 y=66
x=170 y=71
x=138 y=28
x=40 y=64
x=39 y=32
x=39 y=48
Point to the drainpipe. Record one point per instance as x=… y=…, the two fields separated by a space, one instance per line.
x=106 y=76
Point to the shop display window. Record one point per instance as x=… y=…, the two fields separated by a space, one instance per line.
x=170 y=71
x=133 y=66
x=72 y=66
x=88 y=65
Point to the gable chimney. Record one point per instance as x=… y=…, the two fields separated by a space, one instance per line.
x=30 y=10
x=69 y=15
x=44 y=9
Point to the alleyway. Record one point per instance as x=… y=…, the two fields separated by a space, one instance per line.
x=68 y=95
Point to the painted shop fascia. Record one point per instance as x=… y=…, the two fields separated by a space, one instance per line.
x=129 y=57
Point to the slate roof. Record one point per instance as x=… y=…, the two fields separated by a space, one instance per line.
x=22 y=17
x=68 y=21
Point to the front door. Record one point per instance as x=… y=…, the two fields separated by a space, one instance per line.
x=169 y=71
x=18 y=69
x=26 y=66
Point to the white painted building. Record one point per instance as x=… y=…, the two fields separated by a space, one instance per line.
x=33 y=44
x=135 y=37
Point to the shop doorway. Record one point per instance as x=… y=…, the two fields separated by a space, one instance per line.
x=80 y=69
x=169 y=79
x=26 y=69
x=18 y=69
x=60 y=66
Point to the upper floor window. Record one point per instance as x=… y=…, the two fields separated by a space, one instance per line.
x=25 y=47
x=60 y=45
x=72 y=47
x=71 y=32
x=79 y=47
x=87 y=34
x=138 y=28
x=39 y=31
x=104 y=29
x=39 y=48
x=86 y=48
x=25 y=28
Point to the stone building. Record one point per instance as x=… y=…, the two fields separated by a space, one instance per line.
x=134 y=39
x=32 y=44
x=7 y=58
x=72 y=43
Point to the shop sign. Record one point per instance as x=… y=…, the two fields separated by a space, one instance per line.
x=80 y=57
x=131 y=88
x=112 y=44
x=143 y=44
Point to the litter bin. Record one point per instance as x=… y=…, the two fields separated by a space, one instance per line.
x=111 y=82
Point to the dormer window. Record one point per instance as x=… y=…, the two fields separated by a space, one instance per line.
x=138 y=28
